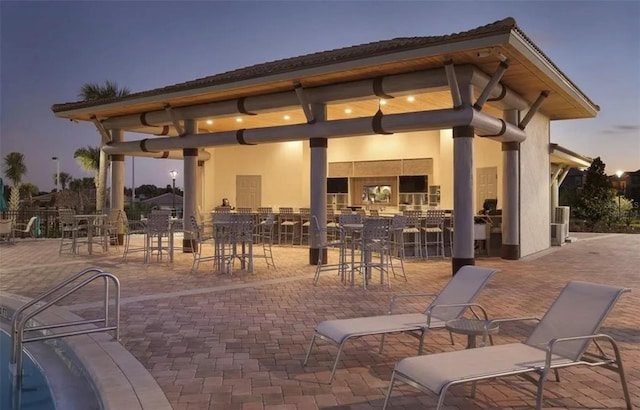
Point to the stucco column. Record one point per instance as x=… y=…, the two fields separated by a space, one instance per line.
x=117 y=180
x=190 y=198
x=318 y=185
x=101 y=189
x=463 y=193
x=511 y=189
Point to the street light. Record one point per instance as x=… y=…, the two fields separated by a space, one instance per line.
x=57 y=160
x=173 y=174
x=619 y=174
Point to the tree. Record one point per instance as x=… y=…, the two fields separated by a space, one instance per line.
x=95 y=91
x=65 y=177
x=28 y=190
x=14 y=170
x=91 y=92
x=89 y=159
x=595 y=202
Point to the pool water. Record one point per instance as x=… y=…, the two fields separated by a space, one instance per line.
x=36 y=393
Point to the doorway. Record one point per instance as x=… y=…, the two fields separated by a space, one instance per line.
x=487 y=185
x=249 y=191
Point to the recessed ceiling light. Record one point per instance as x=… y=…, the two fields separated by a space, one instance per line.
x=383 y=102
x=347 y=110
x=238 y=119
x=411 y=98
x=287 y=117
x=209 y=122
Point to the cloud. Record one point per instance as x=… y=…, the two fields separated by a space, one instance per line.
x=622 y=129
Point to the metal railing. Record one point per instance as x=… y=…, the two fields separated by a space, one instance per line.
x=21 y=318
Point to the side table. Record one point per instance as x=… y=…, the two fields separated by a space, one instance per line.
x=471 y=328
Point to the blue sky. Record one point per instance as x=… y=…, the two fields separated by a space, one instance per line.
x=49 y=49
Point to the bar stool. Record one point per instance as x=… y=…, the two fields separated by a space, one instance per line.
x=287 y=223
x=396 y=243
x=434 y=225
x=305 y=224
x=265 y=236
x=413 y=226
x=263 y=213
x=450 y=229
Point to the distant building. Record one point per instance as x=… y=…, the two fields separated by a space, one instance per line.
x=164 y=201
x=575 y=179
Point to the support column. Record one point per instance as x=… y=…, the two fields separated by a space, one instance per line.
x=318 y=185
x=463 y=186
x=117 y=180
x=101 y=189
x=511 y=189
x=190 y=201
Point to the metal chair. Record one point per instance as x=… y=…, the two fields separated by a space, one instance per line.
x=287 y=225
x=396 y=243
x=413 y=226
x=199 y=238
x=325 y=245
x=157 y=228
x=434 y=225
x=374 y=239
x=133 y=229
x=70 y=230
x=265 y=237
x=305 y=224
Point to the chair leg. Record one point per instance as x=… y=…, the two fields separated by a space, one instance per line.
x=540 y=392
x=313 y=339
x=335 y=364
x=389 y=390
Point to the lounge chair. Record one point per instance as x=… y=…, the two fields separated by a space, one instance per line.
x=450 y=303
x=559 y=340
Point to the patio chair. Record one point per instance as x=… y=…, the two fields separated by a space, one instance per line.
x=559 y=340
x=6 y=230
x=31 y=228
x=324 y=244
x=451 y=303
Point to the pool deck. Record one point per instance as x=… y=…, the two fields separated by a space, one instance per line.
x=238 y=341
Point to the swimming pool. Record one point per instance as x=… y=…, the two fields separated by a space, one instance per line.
x=36 y=393
x=87 y=372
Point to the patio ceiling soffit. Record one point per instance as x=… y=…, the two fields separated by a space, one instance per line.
x=388 y=86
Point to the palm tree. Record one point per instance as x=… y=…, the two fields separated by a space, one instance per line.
x=95 y=91
x=89 y=159
x=14 y=170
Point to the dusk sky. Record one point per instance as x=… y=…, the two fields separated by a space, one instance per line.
x=49 y=49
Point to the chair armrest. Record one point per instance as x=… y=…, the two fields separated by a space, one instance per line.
x=491 y=322
x=553 y=342
x=407 y=295
x=469 y=305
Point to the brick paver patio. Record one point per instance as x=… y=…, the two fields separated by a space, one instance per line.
x=238 y=342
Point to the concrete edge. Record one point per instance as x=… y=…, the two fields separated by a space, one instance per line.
x=120 y=380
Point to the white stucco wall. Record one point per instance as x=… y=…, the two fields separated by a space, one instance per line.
x=285 y=174
x=534 y=187
x=488 y=153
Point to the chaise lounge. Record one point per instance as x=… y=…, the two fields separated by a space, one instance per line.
x=559 y=340
x=451 y=303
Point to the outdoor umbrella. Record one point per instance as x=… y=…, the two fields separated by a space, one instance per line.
x=3 y=202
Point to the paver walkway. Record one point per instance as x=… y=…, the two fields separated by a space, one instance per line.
x=238 y=342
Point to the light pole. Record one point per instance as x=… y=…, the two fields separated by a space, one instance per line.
x=173 y=174
x=619 y=174
x=57 y=160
